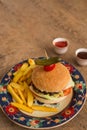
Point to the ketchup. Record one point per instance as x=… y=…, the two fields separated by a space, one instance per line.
x=61 y=44
x=82 y=55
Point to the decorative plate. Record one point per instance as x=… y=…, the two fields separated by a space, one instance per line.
x=46 y=120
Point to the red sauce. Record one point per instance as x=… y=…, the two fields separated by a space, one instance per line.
x=61 y=44
x=82 y=55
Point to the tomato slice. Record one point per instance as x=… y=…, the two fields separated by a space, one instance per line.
x=49 y=67
x=67 y=91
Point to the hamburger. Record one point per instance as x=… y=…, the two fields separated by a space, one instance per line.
x=51 y=86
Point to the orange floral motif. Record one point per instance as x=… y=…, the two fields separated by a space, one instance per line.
x=76 y=76
x=3 y=89
x=21 y=118
x=79 y=102
x=57 y=120
x=9 y=73
x=4 y=99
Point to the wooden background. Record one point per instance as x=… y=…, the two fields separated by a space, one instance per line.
x=29 y=26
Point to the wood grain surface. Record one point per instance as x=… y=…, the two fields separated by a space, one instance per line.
x=29 y=26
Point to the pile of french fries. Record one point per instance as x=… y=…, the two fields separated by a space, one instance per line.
x=19 y=88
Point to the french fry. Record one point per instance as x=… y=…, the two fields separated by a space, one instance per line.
x=17 y=76
x=28 y=80
x=14 y=95
x=25 y=77
x=20 y=83
x=22 y=107
x=15 y=73
x=15 y=90
x=24 y=67
x=29 y=74
x=29 y=98
x=24 y=72
x=25 y=94
x=17 y=86
x=25 y=85
x=22 y=96
x=44 y=108
x=29 y=95
x=26 y=89
x=29 y=69
x=22 y=78
x=31 y=62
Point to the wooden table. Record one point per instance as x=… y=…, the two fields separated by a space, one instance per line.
x=29 y=26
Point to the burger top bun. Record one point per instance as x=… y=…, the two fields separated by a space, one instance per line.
x=51 y=81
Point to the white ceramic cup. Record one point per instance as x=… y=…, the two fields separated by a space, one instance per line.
x=60 y=50
x=79 y=60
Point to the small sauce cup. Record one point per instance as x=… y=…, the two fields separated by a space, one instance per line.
x=60 y=45
x=81 y=56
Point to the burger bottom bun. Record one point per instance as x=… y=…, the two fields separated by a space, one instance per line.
x=46 y=101
x=60 y=106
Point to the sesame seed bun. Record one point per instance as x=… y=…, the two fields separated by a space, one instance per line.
x=51 y=81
